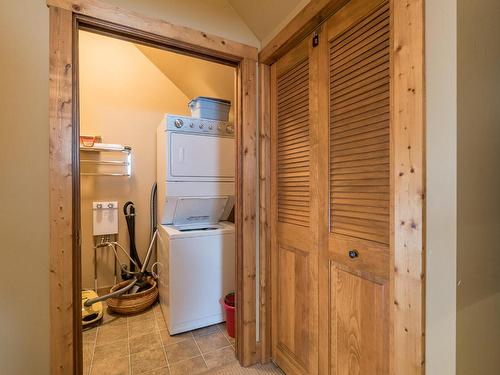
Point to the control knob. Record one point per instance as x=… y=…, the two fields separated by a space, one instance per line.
x=178 y=123
x=230 y=129
x=202 y=125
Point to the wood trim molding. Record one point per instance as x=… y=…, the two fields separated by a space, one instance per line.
x=61 y=191
x=308 y=19
x=246 y=212
x=408 y=181
x=65 y=302
x=179 y=36
x=264 y=211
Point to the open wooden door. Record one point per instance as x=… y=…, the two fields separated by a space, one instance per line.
x=294 y=247
x=359 y=188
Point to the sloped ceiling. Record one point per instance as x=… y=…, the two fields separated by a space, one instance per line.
x=193 y=76
x=267 y=17
x=196 y=77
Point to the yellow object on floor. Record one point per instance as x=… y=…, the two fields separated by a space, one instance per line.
x=92 y=313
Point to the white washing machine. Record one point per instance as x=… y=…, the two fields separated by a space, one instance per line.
x=198 y=270
x=196 y=249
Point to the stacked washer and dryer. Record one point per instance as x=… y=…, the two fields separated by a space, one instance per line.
x=196 y=245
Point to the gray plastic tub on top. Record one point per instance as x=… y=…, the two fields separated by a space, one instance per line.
x=210 y=108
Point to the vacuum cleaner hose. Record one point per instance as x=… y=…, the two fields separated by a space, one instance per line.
x=152 y=210
x=116 y=293
x=129 y=212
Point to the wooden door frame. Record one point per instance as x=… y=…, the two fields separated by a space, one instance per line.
x=66 y=17
x=407 y=252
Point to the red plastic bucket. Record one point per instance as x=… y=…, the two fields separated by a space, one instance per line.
x=230 y=309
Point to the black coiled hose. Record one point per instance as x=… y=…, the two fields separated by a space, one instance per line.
x=129 y=212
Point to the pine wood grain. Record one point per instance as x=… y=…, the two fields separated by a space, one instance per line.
x=180 y=36
x=264 y=212
x=408 y=132
x=246 y=216
x=294 y=242
x=63 y=358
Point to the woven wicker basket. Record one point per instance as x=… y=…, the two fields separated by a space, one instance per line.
x=133 y=303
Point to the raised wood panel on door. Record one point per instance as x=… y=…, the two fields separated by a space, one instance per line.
x=358 y=313
x=359 y=184
x=293 y=216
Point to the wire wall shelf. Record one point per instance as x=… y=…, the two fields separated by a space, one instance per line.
x=92 y=163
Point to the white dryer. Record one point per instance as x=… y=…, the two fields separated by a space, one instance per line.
x=198 y=270
x=196 y=164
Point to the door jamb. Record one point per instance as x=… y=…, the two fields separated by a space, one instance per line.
x=64 y=279
x=407 y=247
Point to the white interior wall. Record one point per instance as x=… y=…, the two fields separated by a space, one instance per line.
x=441 y=186
x=24 y=188
x=478 y=288
x=441 y=215
x=267 y=17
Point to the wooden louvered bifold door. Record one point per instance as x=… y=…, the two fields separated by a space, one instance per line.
x=294 y=247
x=359 y=187
x=293 y=158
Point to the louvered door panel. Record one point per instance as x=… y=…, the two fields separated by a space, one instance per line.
x=293 y=159
x=359 y=129
x=359 y=187
x=294 y=253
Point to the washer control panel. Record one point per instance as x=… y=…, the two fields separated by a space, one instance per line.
x=200 y=125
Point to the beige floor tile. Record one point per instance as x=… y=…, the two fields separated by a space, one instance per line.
x=223 y=329
x=141 y=327
x=147 y=360
x=86 y=367
x=220 y=357
x=149 y=341
x=111 y=319
x=113 y=349
x=111 y=333
x=157 y=308
x=182 y=350
x=158 y=371
x=144 y=315
x=89 y=335
x=211 y=342
x=160 y=321
x=169 y=340
x=88 y=351
x=189 y=367
x=206 y=330
x=111 y=366
x=235 y=368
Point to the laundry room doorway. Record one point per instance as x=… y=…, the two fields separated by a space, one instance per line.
x=85 y=159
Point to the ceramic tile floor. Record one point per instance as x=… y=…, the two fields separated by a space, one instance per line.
x=141 y=344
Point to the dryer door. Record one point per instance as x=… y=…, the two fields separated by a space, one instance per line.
x=201 y=156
